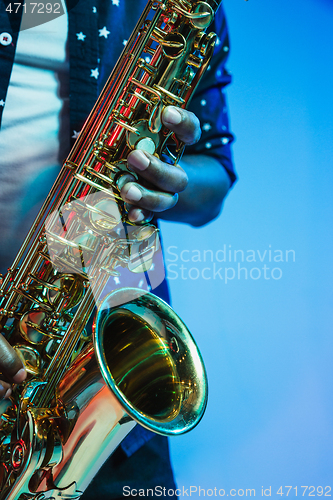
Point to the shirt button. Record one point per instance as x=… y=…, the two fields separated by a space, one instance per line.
x=6 y=39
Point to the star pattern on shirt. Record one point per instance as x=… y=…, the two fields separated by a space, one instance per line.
x=104 y=32
x=2 y=103
x=224 y=140
x=115 y=2
x=116 y=280
x=94 y=10
x=124 y=42
x=75 y=134
x=206 y=127
x=80 y=36
x=94 y=73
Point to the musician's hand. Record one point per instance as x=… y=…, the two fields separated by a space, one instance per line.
x=162 y=181
x=11 y=368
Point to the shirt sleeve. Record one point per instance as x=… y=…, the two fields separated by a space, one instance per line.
x=209 y=103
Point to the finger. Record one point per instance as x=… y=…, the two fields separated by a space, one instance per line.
x=148 y=199
x=11 y=365
x=170 y=178
x=5 y=390
x=184 y=123
x=139 y=215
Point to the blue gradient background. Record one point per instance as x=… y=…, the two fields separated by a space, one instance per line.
x=267 y=344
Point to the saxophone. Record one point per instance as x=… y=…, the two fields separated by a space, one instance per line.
x=88 y=385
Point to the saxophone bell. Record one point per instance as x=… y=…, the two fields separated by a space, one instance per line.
x=150 y=361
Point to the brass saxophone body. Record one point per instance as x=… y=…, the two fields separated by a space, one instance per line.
x=85 y=391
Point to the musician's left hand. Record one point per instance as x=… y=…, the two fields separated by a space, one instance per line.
x=201 y=180
x=162 y=181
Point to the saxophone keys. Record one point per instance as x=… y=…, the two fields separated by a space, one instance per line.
x=151 y=70
x=173 y=45
x=104 y=215
x=143 y=248
x=155 y=118
x=30 y=326
x=203 y=42
x=147 y=141
x=30 y=358
x=146 y=144
x=194 y=61
x=202 y=15
x=68 y=287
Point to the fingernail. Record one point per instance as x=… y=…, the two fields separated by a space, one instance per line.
x=133 y=194
x=137 y=216
x=171 y=115
x=20 y=376
x=138 y=160
x=8 y=393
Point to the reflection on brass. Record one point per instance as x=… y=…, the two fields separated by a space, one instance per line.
x=141 y=366
x=174 y=45
x=30 y=357
x=68 y=287
x=150 y=361
x=84 y=391
x=105 y=215
x=31 y=326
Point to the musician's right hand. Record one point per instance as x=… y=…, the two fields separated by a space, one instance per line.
x=12 y=370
